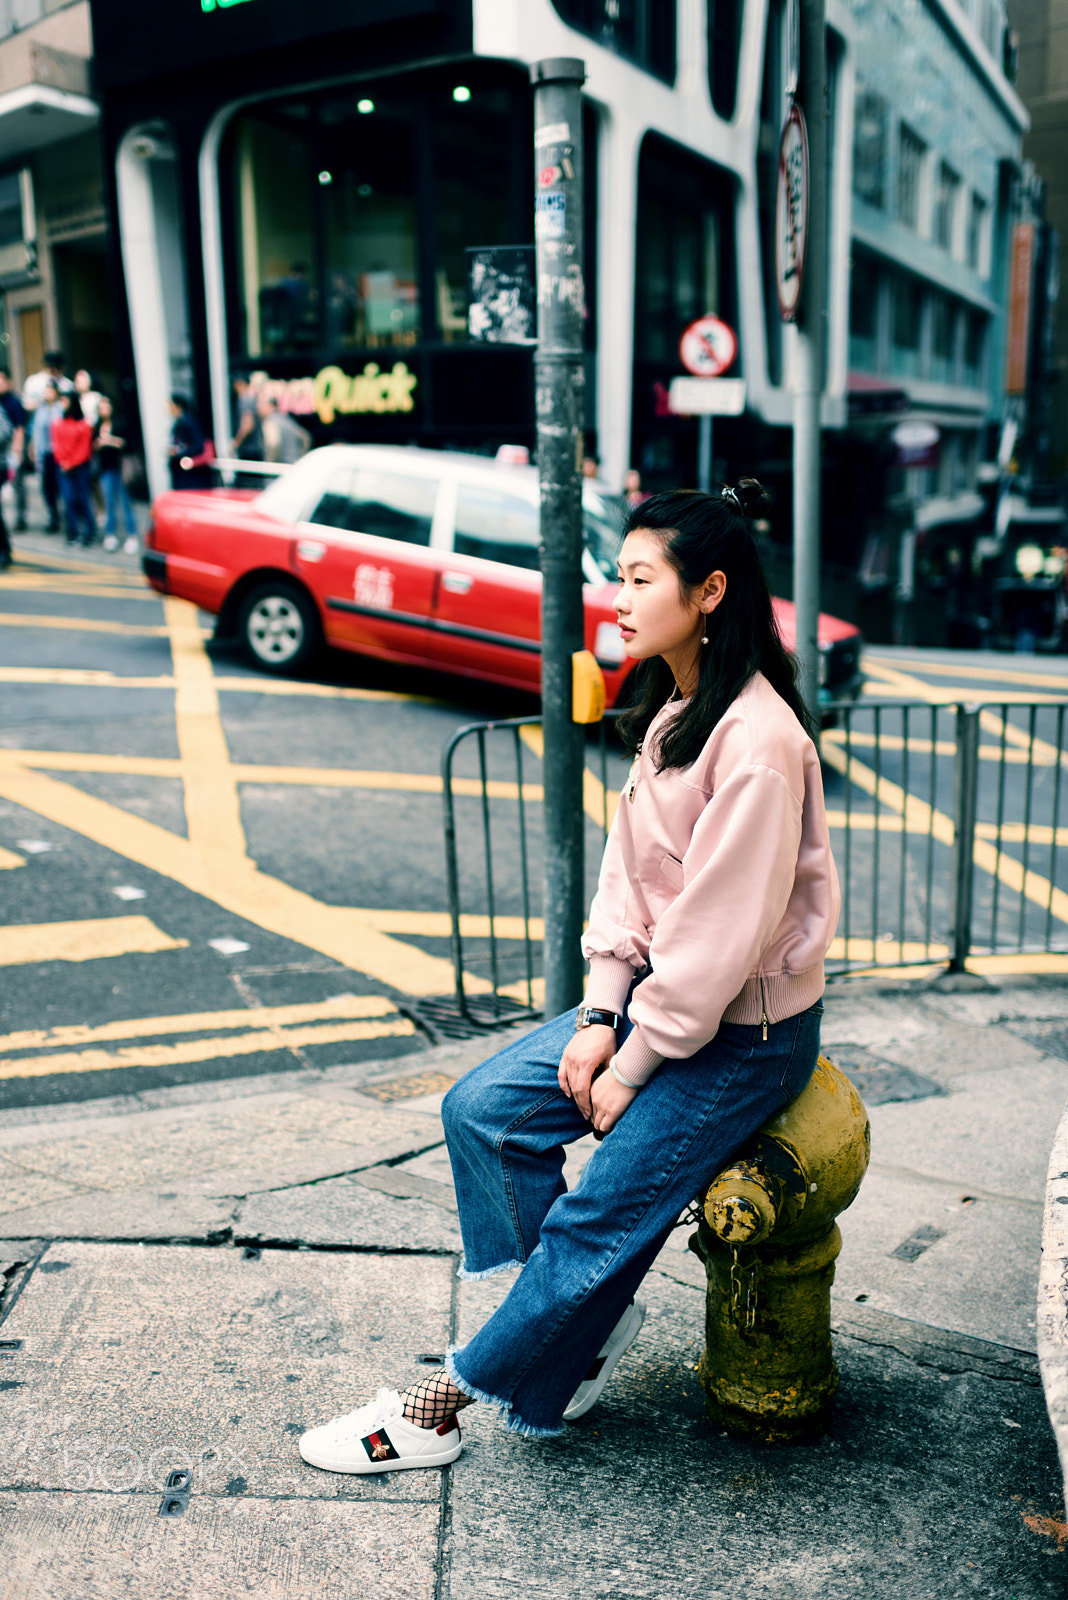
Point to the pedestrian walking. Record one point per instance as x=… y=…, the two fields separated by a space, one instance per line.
x=72 y=447
x=15 y=412
x=109 y=447
x=47 y=412
x=189 y=453
x=284 y=441
x=716 y=905
x=33 y=390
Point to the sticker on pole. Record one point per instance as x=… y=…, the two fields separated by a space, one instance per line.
x=708 y=347
x=791 y=214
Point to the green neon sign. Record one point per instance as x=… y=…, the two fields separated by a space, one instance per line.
x=220 y=5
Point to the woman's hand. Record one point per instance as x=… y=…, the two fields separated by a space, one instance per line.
x=588 y=1052
x=609 y=1100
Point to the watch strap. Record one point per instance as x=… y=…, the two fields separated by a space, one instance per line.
x=588 y=1016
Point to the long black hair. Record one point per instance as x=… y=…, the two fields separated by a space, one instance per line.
x=704 y=533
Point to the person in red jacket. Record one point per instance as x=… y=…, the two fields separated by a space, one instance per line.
x=72 y=446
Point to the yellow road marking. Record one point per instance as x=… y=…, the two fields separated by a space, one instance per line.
x=994 y=674
x=54 y=584
x=312 y=777
x=235 y=884
x=344 y=1006
x=922 y=818
x=88 y=940
x=212 y=808
x=8 y=858
x=437 y=924
x=596 y=804
x=84 y=677
x=867 y=950
x=144 y=630
x=166 y=1055
x=89 y=569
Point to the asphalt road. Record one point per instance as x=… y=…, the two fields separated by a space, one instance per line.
x=207 y=873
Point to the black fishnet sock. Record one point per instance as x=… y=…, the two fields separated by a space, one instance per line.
x=433 y=1400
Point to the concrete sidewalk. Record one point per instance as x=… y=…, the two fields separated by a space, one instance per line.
x=195 y=1276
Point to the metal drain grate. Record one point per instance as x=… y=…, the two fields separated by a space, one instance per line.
x=443 y=1019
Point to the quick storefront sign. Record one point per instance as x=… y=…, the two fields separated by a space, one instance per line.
x=333 y=392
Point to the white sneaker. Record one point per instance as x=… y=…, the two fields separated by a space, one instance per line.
x=111 y=541
x=132 y=545
x=379 y=1438
x=619 y=1340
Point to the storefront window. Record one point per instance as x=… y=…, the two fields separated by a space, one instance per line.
x=353 y=210
x=685 y=269
x=642 y=31
x=472 y=163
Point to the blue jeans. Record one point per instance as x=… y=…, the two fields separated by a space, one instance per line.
x=74 y=486
x=584 y=1251
x=116 y=503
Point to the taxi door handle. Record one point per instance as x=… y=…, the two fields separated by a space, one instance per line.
x=457 y=582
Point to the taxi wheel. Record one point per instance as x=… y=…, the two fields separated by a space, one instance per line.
x=278 y=626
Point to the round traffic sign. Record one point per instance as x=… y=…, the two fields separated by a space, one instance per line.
x=791 y=214
x=708 y=347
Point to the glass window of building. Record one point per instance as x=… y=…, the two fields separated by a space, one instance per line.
x=973 y=244
x=910 y=153
x=907 y=301
x=685 y=250
x=724 y=44
x=864 y=314
x=642 y=31
x=353 y=208
x=975 y=327
x=870 y=125
x=947 y=190
x=685 y=269
x=943 y=339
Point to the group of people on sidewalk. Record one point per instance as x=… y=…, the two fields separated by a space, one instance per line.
x=67 y=433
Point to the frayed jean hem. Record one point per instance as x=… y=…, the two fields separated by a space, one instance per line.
x=514 y=1424
x=490 y=1272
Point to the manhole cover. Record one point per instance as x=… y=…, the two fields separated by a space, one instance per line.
x=443 y=1019
x=878 y=1082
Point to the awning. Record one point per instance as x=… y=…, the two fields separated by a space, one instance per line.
x=37 y=115
x=869 y=395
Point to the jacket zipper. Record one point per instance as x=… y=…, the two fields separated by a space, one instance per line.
x=763 y=1011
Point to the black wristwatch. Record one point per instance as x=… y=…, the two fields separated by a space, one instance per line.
x=589 y=1015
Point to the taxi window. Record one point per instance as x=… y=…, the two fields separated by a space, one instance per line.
x=496 y=526
x=392 y=506
x=331 y=510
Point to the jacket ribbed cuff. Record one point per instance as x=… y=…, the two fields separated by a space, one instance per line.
x=635 y=1060
x=608 y=984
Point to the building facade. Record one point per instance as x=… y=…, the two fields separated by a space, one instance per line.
x=294 y=191
x=54 y=280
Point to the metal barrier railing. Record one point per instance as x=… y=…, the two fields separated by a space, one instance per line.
x=947 y=824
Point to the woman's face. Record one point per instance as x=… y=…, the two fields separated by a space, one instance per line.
x=656 y=617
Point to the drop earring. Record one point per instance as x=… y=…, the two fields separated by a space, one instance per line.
x=704 y=636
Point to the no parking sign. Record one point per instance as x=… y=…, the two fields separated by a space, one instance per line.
x=708 y=347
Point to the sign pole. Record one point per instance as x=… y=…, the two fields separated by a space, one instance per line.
x=704 y=454
x=558 y=397
x=808 y=389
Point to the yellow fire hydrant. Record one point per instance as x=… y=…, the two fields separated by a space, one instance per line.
x=769 y=1240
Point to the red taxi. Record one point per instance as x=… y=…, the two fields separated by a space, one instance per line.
x=410 y=555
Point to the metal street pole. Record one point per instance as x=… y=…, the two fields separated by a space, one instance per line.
x=558 y=380
x=811 y=327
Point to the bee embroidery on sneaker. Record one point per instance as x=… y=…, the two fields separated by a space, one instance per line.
x=380 y=1451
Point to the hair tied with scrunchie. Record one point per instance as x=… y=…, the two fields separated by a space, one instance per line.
x=732 y=496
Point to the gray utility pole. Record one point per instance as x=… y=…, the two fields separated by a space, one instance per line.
x=811 y=330
x=558 y=387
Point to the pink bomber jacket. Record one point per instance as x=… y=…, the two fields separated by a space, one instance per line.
x=717 y=882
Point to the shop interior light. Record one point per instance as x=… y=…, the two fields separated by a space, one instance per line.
x=461 y=93
x=326 y=177
x=365 y=106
